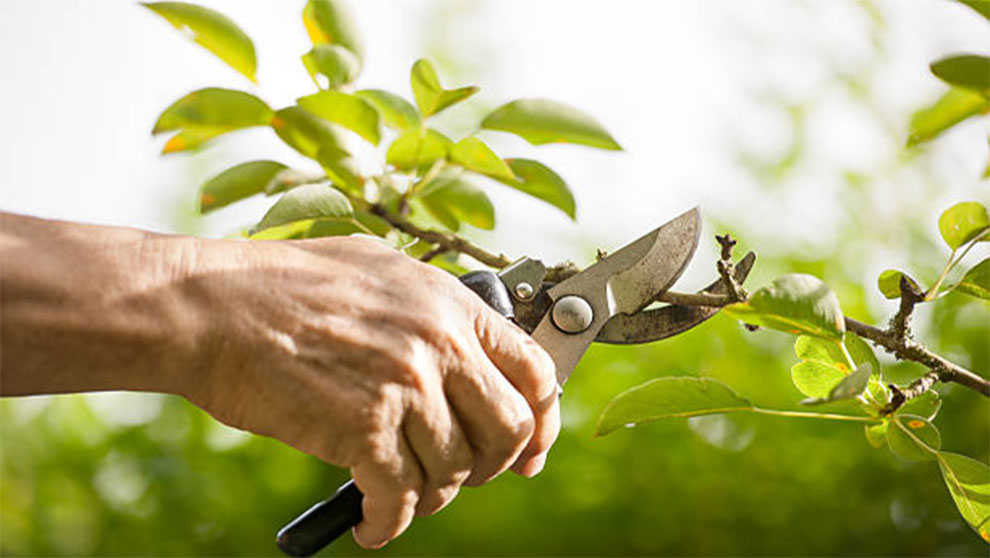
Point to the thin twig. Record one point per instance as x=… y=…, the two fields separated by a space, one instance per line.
x=446 y=241
x=899 y=396
x=428 y=257
x=900 y=327
x=726 y=269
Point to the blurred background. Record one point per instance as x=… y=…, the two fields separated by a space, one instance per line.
x=784 y=119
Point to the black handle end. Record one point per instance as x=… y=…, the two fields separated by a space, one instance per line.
x=323 y=523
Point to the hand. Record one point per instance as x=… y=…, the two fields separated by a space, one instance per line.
x=371 y=360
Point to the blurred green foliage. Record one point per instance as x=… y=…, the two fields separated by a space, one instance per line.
x=144 y=474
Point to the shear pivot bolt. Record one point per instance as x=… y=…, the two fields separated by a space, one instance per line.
x=524 y=290
x=572 y=314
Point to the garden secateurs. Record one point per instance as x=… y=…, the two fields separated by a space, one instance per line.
x=605 y=303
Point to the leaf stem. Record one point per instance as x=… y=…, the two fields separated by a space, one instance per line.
x=805 y=414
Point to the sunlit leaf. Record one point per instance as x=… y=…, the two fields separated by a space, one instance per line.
x=213 y=30
x=963 y=222
x=237 y=182
x=669 y=398
x=925 y=405
x=287 y=179
x=396 y=112
x=538 y=180
x=816 y=379
x=207 y=113
x=346 y=110
x=956 y=105
x=889 y=283
x=339 y=65
x=312 y=201
x=330 y=22
x=361 y=222
x=430 y=96
x=341 y=168
x=849 y=387
x=417 y=149
x=967 y=70
x=305 y=132
x=876 y=434
x=976 y=282
x=968 y=480
x=913 y=438
x=452 y=199
x=796 y=303
x=473 y=154
x=541 y=121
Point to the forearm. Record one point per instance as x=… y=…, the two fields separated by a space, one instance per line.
x=86 y=308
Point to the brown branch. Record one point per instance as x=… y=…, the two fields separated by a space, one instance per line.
x=445 y=241
x=899 y=325
x=909 y=349
x=727 y=270
x=899 y=396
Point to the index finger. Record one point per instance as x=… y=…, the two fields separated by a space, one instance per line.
x=532 y=372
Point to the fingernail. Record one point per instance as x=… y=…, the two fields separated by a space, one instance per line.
x=535 y=466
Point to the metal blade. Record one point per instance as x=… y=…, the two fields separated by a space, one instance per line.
x=622 y=282
x=661 y=323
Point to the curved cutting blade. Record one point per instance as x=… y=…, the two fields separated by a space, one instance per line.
x=661 y=323
x=625 y=281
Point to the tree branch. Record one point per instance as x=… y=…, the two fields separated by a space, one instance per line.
x=445 y=241
x=908 y=349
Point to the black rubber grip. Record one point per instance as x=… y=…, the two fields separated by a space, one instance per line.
x=321 y=524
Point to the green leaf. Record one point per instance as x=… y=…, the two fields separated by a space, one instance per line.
x=876 y=434
x=967 y=70
x=291 y=231
x=848 y=388
x=288 y=179
x=349 y=111
x=396 y=112
x=541 y=121
x=981 y=7
x=816 y=379
x=339 y=65
x=330 y=22
x=963 y=222
x=237 y=183
x=796 y=303
x=207 y=113
x=538 y=180
x=312 y=201
x=669 y=398
x=968 y=480
x=341 y=168
x=453 y=200
x=956 y=105
x=305 y=132
x=925 y=405
x=913 y=438
x=214 y=31
x=361 y=223
x=976 y=282
x=430 y=96
x=418 y=149
x=889 y=283
x=473 y=154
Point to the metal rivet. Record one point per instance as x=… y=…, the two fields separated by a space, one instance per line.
x=524 y=290
x=572 y=314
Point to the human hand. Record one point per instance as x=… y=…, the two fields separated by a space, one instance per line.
x=371 y=360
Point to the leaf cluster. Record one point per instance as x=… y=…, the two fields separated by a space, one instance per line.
x=420 y=176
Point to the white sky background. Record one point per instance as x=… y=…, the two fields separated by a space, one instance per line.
x=676 y=82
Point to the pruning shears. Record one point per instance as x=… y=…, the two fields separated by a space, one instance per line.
x=605 y=303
